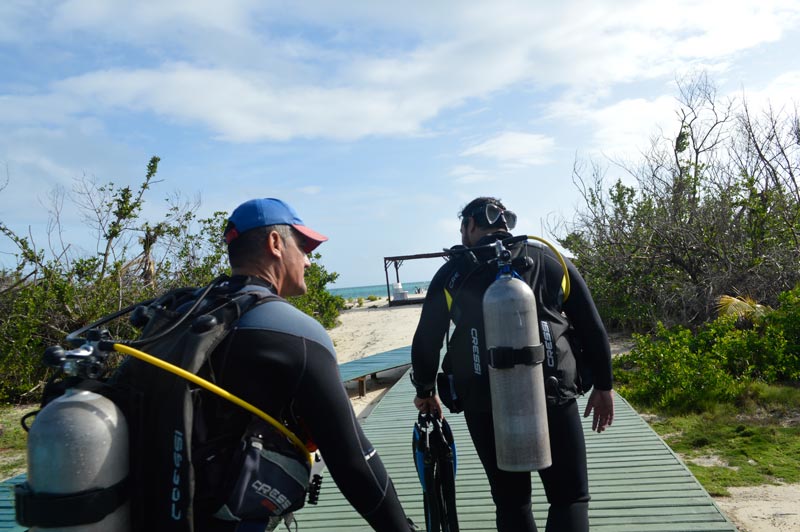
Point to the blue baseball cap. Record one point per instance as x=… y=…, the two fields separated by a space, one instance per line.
x=269 y=211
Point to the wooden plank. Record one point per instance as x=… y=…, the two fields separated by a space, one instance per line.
x=7 y=516
x=637 y=482
x=373 y=364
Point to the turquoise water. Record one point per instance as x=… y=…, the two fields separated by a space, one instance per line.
x=378 y=290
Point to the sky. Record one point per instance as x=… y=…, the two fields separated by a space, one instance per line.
x=376 y=121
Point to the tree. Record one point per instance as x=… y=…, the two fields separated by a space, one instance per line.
x=715 y=210
x=51 y=293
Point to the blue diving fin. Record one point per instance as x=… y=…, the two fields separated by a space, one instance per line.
x=435 y=460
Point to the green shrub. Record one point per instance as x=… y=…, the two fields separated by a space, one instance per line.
x=317 y=301
x=360 y=302
x=664 y=372
x=786 y=319
x=372 y=297
x=722 y=362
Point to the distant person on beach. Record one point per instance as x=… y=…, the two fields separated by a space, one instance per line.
x=456 y=293
x=283 y=362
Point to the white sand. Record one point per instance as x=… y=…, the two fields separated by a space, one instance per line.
x=376 y=327
x=763 y=508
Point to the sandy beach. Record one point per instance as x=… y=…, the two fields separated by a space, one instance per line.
x=375 y=327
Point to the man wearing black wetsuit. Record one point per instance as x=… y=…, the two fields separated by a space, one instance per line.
x=283 y=362
x=574 y=326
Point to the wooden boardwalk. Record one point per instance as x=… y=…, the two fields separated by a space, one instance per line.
x=360 y=368
x=7 y=521
x=637 y=482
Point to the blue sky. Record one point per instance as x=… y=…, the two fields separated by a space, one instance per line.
x=377 y=121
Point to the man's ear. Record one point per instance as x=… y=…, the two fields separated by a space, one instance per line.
x=275 y=244
x=470 y=229
x=465 y=231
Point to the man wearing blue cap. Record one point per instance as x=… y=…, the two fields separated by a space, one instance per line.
x=271 y=224
x=283 y=362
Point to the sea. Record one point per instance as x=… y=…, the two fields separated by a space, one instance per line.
x=378 y=290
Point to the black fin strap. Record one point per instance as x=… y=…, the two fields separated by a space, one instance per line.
x=51 y=510
x=507 y=357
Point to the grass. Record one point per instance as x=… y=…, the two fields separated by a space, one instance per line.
x=12 y=440
x=753 y=443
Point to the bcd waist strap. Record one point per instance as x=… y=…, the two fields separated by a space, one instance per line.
x=508 y=357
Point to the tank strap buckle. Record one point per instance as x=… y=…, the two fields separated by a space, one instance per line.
x=508 y=357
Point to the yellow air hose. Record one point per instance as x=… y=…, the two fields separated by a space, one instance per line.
x=565 y=285
x=150 y=359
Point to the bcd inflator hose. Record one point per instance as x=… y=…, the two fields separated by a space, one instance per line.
x=565 y=284
x=213 y=388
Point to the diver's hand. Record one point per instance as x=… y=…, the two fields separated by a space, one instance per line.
x=429 y=405
x=602 y=402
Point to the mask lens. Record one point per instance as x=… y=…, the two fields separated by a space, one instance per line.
x=511 y=219
x=493 y=213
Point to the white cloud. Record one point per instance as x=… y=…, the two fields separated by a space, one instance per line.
x=249 y=75
x=626 y=127
x=782 y=92
x=513 y=148
x=133 y=19
x=242 y=108
x=465 y=175
x=31 y=110
x=310 y=190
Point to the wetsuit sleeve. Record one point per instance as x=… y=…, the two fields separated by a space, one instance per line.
x=434 y=321
x=284 y=362
x=582 y=312
x=322 y=402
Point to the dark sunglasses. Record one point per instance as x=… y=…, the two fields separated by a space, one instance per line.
x=492 y=213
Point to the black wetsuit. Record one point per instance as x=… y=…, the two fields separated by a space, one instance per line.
x=283 y=362
x=456 y=293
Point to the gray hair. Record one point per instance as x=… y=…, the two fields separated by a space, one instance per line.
x=248 y=246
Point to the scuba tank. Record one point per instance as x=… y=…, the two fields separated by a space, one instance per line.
x=77 y=456
x=516 y=377
x=78 y=443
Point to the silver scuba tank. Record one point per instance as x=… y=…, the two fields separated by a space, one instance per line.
x=79 y=442
x=516 y=376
